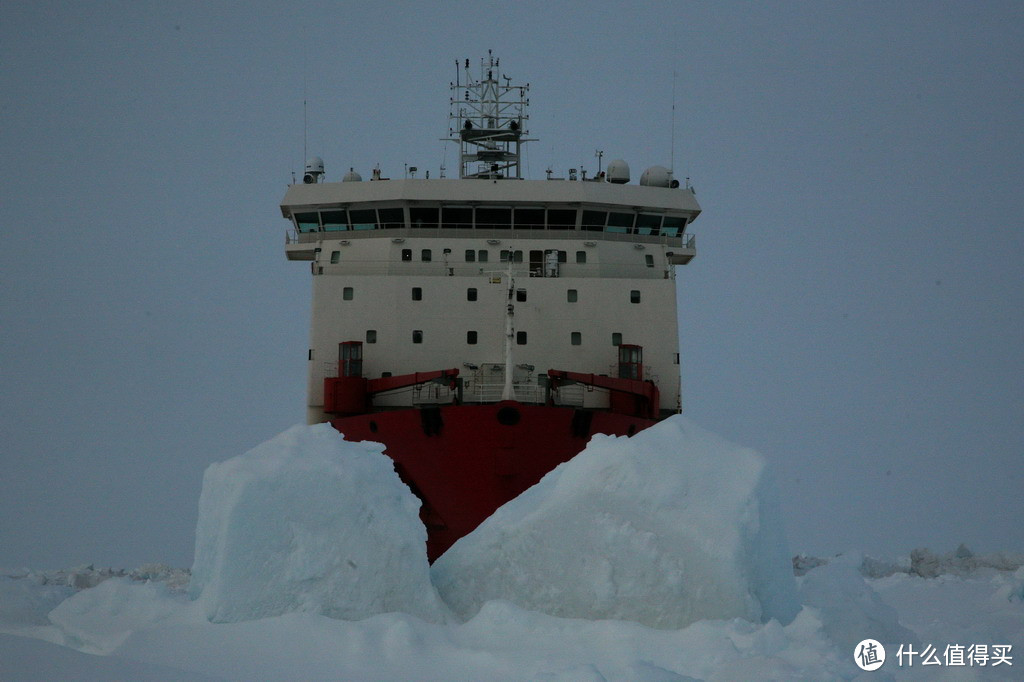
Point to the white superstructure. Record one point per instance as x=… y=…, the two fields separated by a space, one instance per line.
x=418 y=270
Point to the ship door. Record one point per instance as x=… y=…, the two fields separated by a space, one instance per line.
x=350 y=359
x=631 y=362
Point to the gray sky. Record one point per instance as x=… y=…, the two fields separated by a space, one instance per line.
x=855 y=313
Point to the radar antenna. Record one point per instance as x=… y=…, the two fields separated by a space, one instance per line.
x=487 y=120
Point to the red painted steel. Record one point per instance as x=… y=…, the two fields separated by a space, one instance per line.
x=465 y=461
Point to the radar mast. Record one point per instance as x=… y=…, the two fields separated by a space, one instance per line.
x=486 y=119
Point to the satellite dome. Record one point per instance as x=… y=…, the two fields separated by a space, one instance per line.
x=352 y=176
x=618 y=172
x=657 y=176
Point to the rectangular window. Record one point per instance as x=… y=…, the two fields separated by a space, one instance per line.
x=422 y=217
x=391 y=218
x=481 y=255
x=406 y=254
x=346 y=294
x=561 y=219
x=371 y=336
x=529 y=219
x=581 y=256
x=471 y=338
x=521 y=338
x=457 y=217
x=620 y=222
x=594 y=220
x=334 y=221
x=521 y=295
x=488 y=218
x=364 y=220
x=417 y=294
x=307 y=222
x=571 y=296
x=634 y=296
x=673 y=226
x=335 y=257
x=470 y=255
x=676 y=361
x=576 y=338
x=649 y=260
x=616 y=339
x=425 y=255
x=648 y=223
x=470 y=294
x=417 y=336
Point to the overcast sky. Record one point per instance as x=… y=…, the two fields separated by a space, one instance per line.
x=855 y=312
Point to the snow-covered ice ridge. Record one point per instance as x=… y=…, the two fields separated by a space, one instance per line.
x=659 y=557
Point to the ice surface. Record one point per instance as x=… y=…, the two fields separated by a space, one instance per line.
x=671 y=526
x=308 y=522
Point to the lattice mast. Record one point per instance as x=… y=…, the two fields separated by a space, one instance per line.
x=487 y=119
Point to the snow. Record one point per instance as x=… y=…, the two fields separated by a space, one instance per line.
x=671 y=526
x=308 y=522
x=674 y=523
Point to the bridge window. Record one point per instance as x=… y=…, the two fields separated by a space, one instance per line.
x=594 y=221
x=391 y=218
x=423 y=217
x=457 y=217
x=471 y=338
x=346 y=294
x=529 y=219
x=620 y=222
x=364 y=220
x=576 y=338
x=673 y=226
x=648 y=223
x=561 y=219
x=489 y=218
x=307 y=222
x=334 y=221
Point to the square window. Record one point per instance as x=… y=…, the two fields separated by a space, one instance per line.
x=371 y=336
x=417 y=294
x=335 y=256
x=346 y=294
x=470 y=294
x=521 y=338
x=481 y=255
x=571 y=295
x=521 y=295
x=634 y=296
x=417 y=336
x=616 y=338
x=576 y=338
x=470 y=255
x=471 y=338
x=406 y=254
x=425 y=255
x=581 y=256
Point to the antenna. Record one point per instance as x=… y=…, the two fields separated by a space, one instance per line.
x=305 y=126
x=672 y=163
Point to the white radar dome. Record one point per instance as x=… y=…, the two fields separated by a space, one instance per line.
x=618 y=172
x=352 y=176
x=658 y=176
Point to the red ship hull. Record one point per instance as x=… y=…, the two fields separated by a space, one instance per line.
x=465 y=461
